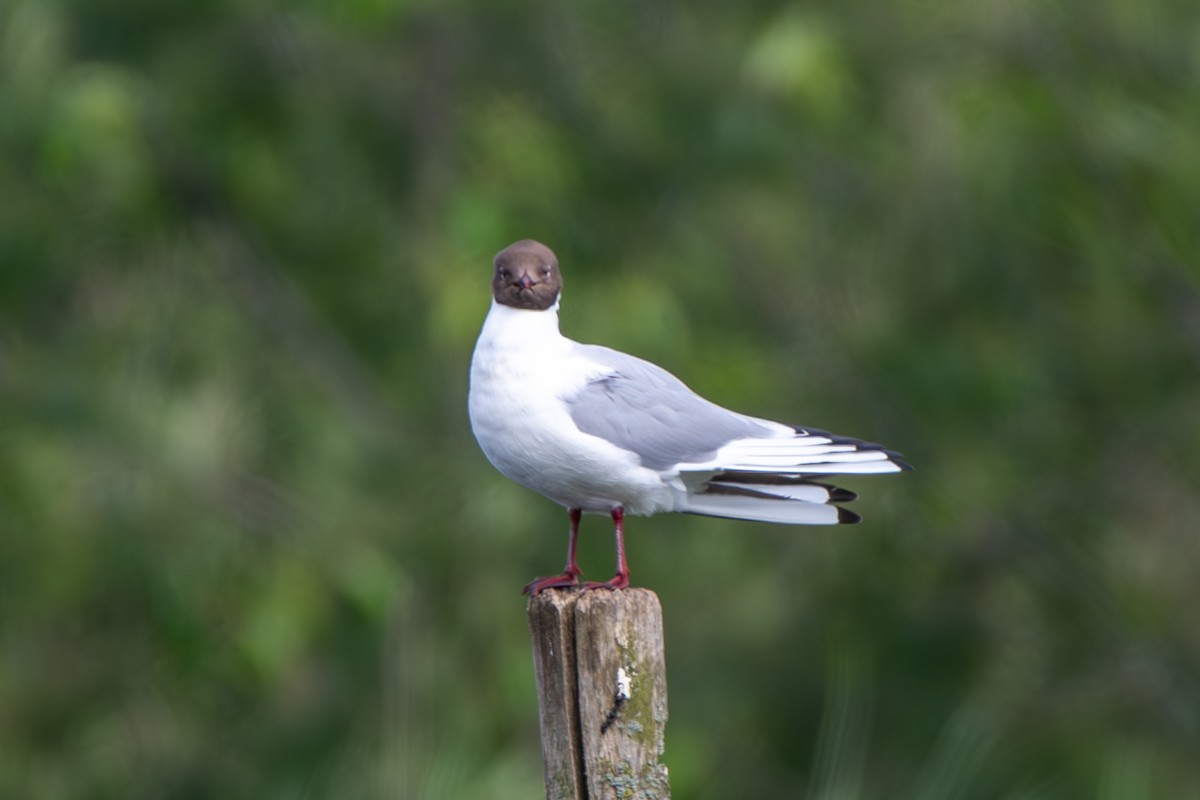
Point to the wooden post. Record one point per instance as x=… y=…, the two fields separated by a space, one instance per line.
x=602 y=693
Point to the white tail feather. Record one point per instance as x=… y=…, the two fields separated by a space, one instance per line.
x=774 y=461
x=836 y=468
x=803 y=492
x=802 y=454
x=787 y=512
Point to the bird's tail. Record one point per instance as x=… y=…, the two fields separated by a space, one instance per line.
x=800 y=503
x=771 y=479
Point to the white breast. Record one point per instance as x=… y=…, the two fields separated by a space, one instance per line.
x=521 y=371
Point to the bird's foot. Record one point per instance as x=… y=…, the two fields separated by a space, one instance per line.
x=619 y=581
x=567 y=580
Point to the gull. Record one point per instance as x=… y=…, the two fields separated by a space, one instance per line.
x=602 y=432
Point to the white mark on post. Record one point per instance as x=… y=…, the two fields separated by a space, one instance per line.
x=624 y=687
x=624 y=684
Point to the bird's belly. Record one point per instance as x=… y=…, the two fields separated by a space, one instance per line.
x=539 y=447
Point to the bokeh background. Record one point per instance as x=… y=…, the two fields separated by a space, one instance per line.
x=248 y=548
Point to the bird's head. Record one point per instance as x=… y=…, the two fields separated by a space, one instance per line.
x=526 y=276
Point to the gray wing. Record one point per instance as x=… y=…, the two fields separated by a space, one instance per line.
x=645 y=409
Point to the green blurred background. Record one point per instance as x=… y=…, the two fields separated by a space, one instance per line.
x=249 y=549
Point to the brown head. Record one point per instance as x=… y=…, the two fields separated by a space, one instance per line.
x=526 y=276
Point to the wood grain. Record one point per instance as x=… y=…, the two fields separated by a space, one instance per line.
x=602 y=691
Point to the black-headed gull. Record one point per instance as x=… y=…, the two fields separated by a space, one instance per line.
x=602 y=432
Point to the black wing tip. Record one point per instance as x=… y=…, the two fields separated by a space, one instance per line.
x=893 y=456
x=835 y=438
x=839 y=495
x=848 y=517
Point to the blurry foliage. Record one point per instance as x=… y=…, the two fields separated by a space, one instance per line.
x=249 y=549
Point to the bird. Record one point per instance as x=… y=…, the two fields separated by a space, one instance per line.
x=599 y=431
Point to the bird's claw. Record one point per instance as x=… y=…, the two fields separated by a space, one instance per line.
x=567 y=580
x=619 y=581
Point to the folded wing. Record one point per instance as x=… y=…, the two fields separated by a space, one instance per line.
x=732 y=465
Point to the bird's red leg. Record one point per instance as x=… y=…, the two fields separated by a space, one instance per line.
x=621 y=579
x=570 y=575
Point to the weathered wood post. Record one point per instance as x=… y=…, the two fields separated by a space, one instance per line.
x=602 y=693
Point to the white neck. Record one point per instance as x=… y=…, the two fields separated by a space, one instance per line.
x=521 y=328
x=517 y=346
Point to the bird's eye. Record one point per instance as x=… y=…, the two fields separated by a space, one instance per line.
x=545 y=272
x=505 y=273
